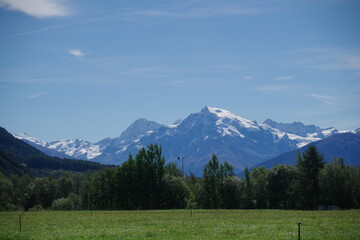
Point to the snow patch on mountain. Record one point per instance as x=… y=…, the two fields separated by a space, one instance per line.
x=300 y=141
x=77 y=148
x=25 y=136
x=227 y=117
x=123 y=149
x=175 y=124
x=328 y=132
x=231 y=131
x=302 y=130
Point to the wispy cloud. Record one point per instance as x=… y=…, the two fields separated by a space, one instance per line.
x=196 y=9
x=41 y=29
x=325 y=58
x=195 y=13
x=284 y=78
x=76 y=52
x=37 y=95
x=273 y=88
x=184 y=10
x=329 y=100
x=37 y=8
x=351 y=61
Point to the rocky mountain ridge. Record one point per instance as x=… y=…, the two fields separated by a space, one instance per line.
x=239 y=141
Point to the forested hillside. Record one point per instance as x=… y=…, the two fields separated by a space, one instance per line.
x=8 y=165
x=14 y=149
x=145 y=182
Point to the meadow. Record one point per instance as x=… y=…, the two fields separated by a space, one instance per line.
x=181 y=224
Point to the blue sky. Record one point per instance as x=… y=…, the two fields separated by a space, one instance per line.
x=88 y=69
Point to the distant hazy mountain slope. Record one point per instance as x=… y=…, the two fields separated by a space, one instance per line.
x=345 y=145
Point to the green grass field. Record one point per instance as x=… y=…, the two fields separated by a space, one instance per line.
x=180 y=224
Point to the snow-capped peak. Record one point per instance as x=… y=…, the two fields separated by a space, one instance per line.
x=25 y=136
x=227 y=116
x=329 y=131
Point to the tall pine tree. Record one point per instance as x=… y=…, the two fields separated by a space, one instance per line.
x=307 y=184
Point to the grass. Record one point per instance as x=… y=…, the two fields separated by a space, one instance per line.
x=180 y=224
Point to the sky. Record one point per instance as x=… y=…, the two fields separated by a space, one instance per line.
x=88 y=69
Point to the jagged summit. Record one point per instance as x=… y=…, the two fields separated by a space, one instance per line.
x=222 y=113
x=141 y=127
x=300 y=129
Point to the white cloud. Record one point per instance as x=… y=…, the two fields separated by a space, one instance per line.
x=76 y=52
x=284 y=78
x=37 y=95
x=37 y=8
x=329 y=100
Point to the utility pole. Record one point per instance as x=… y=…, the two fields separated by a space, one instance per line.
x=182 y=165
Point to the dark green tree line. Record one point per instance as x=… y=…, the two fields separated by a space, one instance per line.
x=145 y=182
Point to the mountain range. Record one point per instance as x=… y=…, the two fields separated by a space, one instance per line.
x=241 y=142
x=344 y=145
x=18 y=157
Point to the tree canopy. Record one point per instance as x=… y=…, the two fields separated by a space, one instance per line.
x=146 y=182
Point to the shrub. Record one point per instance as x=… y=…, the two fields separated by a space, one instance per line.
x=72 y=202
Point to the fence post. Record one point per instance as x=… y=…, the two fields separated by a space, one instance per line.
x=20 y=222
x=298 y=230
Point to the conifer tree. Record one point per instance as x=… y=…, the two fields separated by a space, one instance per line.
x=307 y=184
